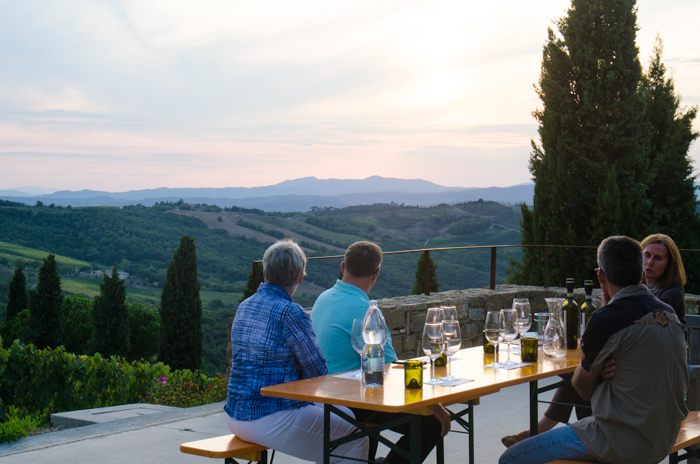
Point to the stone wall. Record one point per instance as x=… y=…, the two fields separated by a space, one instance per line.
x=405 y=315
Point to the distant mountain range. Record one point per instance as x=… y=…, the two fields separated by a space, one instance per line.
x=291 y=195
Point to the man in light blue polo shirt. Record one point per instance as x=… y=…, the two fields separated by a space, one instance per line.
x=332 y=317
x=335 y=309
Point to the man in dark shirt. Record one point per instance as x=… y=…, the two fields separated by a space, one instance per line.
x=637 y=399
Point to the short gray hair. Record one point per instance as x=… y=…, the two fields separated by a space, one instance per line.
x=620 y=260
x=284 y=263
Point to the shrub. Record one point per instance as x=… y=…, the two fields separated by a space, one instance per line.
x=187 y=390
x=42 y=382
x=16 y=425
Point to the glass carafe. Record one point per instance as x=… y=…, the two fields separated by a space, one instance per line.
x=554 y=343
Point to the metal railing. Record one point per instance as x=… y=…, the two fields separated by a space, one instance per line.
x=426 y=260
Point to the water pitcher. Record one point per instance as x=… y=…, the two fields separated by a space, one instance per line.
x=554 y=343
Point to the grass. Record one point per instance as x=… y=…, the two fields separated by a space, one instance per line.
x=13 y=252
x=495 y=236
x=90 y=287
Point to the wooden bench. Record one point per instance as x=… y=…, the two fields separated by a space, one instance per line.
x=688 y=436
x=228 y=447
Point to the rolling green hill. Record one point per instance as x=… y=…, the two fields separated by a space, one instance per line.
x=142 y=240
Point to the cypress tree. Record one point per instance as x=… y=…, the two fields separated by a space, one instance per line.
x=248 y=290
x=110 y=317
x=672 y=183
x=420 y=276
x=594 y=142
x=17 y=298
x=181 y=310
x=45 y=306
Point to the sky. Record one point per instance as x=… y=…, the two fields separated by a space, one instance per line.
x=119 y=95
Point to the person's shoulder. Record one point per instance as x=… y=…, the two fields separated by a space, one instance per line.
x=672 y=291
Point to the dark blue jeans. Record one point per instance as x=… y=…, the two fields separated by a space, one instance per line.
x=558 y=443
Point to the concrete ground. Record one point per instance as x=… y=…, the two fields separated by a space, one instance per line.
x=155 y=438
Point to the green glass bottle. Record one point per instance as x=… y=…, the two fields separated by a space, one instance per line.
x=573 y=317
x=441 y=361
x=488 y=346
x=588 y=307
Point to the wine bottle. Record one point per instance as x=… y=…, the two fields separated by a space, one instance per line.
x=573 y=316
x=441 y=360
x=488 y=346
x=588 y=307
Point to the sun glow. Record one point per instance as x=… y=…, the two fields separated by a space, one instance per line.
x=441 y=87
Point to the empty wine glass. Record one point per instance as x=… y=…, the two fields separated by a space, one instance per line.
x=453 y=342
x=434 y=316
x=433 y=346
x=449 y=313
x=522 y=307
x=492 y=331
x=358 y=344
x=509 y=329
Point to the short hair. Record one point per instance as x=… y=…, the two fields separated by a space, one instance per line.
x=362 y=259
x=284 y=263
x=675 y=272
x=620 y=260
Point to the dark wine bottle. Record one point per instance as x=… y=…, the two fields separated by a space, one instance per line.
x=441 y=360
x=573 y=317
x=488 y=346
x=588 y=307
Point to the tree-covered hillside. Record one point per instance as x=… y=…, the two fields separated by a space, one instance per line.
x=140 y=240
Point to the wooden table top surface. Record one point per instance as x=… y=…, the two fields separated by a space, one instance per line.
x=393 y=397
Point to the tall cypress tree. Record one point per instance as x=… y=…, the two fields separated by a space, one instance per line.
x=590 y=170
x=45 y=306
x=418 y=287
x=110 y=317
x=181 y=310
x=672 y=183
x=17 y=298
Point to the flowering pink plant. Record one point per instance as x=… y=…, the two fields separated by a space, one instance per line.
x=161 y=380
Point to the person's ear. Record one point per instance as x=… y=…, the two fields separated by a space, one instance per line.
x=342 y=267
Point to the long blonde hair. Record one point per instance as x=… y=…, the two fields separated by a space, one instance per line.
x=675 y=272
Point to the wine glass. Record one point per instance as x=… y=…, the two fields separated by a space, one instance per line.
x=453 y=342
x=509 y=329
x=492 y=332
x=522 y=307
x=358 y=343
x=433 y=346
x=449 y=313
x=434 y=316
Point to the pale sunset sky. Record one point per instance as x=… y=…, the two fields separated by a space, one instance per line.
x=124 y=95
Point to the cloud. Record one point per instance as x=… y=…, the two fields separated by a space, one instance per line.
x=129 y=93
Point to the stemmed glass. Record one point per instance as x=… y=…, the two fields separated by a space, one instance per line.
x=492 y=331
x=453 y=342
x=449 y=313
x=434 y=316
x=358 y=343
x=433 y=346
x=509 y=329
x=522 y=308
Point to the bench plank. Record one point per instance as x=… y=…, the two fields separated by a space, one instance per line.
x=688 y=435
x=227 y=446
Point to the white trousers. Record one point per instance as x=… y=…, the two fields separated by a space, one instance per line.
x=299 y=433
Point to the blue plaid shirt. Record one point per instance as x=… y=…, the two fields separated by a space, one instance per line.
x=273 y=342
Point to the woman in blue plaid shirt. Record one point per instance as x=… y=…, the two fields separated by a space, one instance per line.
x=273 y=343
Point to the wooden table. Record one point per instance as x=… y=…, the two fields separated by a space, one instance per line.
x=393 y=397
